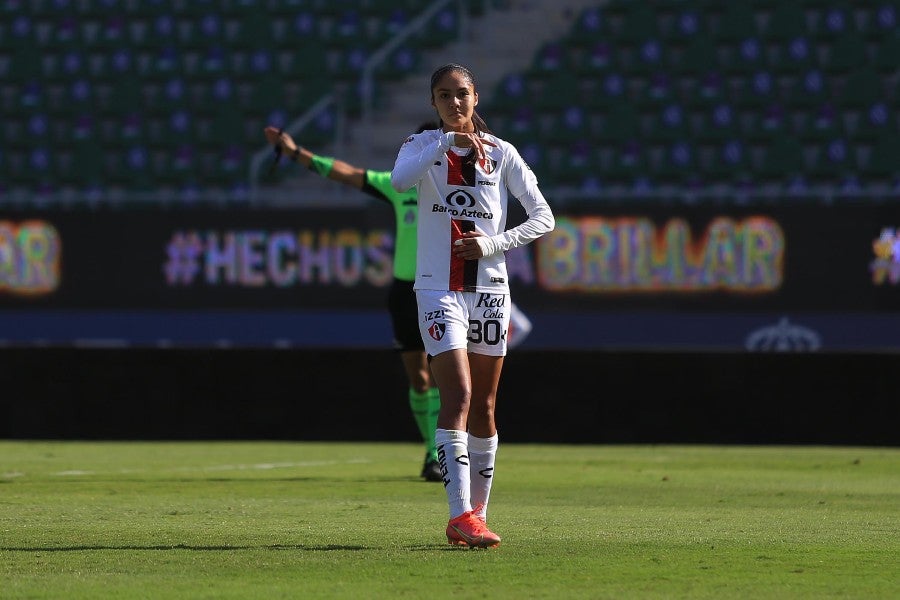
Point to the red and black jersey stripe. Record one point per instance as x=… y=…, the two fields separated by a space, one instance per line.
x=459 y=170
x=463 y=273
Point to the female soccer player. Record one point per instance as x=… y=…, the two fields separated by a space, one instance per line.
x=464 y=175
x=424 y=399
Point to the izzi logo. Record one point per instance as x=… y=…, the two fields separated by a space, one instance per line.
x=886 y=266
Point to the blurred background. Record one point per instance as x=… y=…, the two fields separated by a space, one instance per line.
x=725 y=176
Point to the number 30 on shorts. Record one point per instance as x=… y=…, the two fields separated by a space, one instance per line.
x=489 y=331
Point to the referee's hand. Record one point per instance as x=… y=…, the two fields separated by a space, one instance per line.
x=277 y=137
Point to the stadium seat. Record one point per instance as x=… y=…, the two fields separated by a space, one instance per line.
x=782 y=161
x=566 y=125
x=659 y=90
x=612 y=91
x=809 y=90
x=847 y=53
x=832 y=161
x=888 y=55
x=87 y=163
x=737 y=22
x=596 y=59
x=875 y=122
x=670 y=124
x=620 y=124
x=688 y=23
x=534 y=154
x=767 y=123
x=745 y=56
x=717 y=124
x=404 y=61
x=730 y=163
x=392 y=21
x=861 y=88
x=677 y=164
x=444 y=26
x=309 y=60
x=590 y=27
x=648 y=56
x=639 y=23
x=882 y=164
x=700 y=56
x=628 y=163
x=794 y=56
x=835 y=19
x=347 y=30
x=786 y=22
x=822 y=124
x=576 y=164
x=519 y=124
x=348 y=63
x=707 y=91
x=883 y=15
x=510 y=92
x=549 y=60
x=758 y=91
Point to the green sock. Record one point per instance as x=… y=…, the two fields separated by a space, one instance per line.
x=425 y=407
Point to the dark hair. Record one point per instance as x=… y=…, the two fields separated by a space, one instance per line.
x=480 y=125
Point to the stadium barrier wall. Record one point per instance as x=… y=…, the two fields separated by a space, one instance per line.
x=644 y=277
x=558 y=397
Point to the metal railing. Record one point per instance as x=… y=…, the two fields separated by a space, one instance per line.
x=367 y=88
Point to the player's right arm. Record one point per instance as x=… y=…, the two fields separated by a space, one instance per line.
x=330 y=168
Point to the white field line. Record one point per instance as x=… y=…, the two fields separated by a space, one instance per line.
x=207 y=469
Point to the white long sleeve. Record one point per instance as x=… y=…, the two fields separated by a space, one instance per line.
x=414 y=160
x=540 y=221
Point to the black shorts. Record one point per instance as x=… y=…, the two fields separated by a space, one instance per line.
x=404 y=316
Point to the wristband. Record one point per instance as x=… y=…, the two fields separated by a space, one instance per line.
x=321 y=164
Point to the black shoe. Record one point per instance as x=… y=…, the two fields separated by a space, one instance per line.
x=432 y=470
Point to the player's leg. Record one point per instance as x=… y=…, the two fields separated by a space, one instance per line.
x=483 y=439
x=443 y=323
x=488 y=336
x=451 y=372
x=465 y=528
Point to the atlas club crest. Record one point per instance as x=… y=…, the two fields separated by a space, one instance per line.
x=437 y=331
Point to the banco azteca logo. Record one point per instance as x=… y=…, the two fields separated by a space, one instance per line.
x=459 y=199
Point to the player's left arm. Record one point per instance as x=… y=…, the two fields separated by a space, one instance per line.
x=521 y=183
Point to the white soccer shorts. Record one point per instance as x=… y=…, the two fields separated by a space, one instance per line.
x=474 y=321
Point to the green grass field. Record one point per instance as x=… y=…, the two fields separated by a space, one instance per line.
x=319 y=520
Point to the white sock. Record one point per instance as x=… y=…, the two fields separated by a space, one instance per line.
x=453 y=456
x=482 y=453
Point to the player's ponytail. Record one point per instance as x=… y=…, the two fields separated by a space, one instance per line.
x=480 y=125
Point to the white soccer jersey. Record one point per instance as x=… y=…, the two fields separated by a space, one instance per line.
x=458 y=196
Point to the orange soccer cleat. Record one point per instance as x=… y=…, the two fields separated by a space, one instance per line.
x=469 y=530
